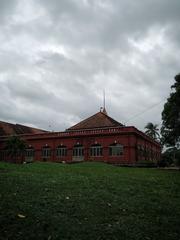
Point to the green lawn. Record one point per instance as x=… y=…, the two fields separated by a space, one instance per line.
x=88 y=201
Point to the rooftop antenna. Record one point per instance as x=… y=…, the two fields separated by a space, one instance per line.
x=104 y=100
x=104 y=103
x=50 y=127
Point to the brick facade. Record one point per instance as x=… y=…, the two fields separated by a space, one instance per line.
x=90 y=144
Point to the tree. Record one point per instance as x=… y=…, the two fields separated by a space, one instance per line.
x=152 y=130
x=170 y=157
x=15 y=147
x=170 y=130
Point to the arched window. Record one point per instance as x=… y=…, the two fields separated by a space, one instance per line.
x=116 y=149
x=78 y=150
x=3 y=154
x=143 y=151
x=151 y=154
x=96 y=150
x=30 y=152
x=46 y=152
x=61 y=151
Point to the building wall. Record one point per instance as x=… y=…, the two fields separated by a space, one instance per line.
x=127 y=157
x=147 y=151
x=135 y=148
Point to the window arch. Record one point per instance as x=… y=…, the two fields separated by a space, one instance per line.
x=30 y=152
x=116 y=149
x=96 y=150
x=46 y=152
x=3 y=154
x=61 y=151
x=78 y=150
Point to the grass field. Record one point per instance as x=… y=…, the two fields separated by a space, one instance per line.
x=88 y=201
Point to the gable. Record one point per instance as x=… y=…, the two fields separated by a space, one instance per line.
x=98 y=120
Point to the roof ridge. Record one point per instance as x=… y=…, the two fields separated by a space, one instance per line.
x=21 y=125
x=15 y=128
x=7 y=123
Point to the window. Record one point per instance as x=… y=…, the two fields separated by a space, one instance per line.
x=78 y=151
x=143 y=151
x=116 y=150
x=148 y=153
x=96 y=150
x=46 y=152
x=3 y=155
x=151 y=154
x=139 y=150
x=61 y=151
x=30 y=152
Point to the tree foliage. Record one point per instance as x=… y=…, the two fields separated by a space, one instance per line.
x=15 y=146
x=170 y=130
x=171 y=157
x=152 y=130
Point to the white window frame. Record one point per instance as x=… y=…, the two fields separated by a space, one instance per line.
x=46 y=152
x=96 y=151
x=30 y=152
x=116 y=150
x=61 y=151
x=78 y=151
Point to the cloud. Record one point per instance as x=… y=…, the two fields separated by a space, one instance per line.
x=56 y=57
x=6 y=9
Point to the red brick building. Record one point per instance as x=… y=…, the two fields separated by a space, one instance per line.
x=97 y=138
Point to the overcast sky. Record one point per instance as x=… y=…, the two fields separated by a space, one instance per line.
x=57 y=56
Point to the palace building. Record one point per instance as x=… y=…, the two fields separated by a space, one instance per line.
x=98 y=138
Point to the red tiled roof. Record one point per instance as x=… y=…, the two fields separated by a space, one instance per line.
x=98 y=120
x=17 y=129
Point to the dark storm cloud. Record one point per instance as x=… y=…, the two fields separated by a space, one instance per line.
x=56 y=57
x=108 y=23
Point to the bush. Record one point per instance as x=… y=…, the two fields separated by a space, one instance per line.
x=170 y=157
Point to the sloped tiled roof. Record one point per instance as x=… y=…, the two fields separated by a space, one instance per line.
x=98 y=120
x=17 y=129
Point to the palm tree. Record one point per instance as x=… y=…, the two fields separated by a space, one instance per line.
x=152 y=130
x=15 y=147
